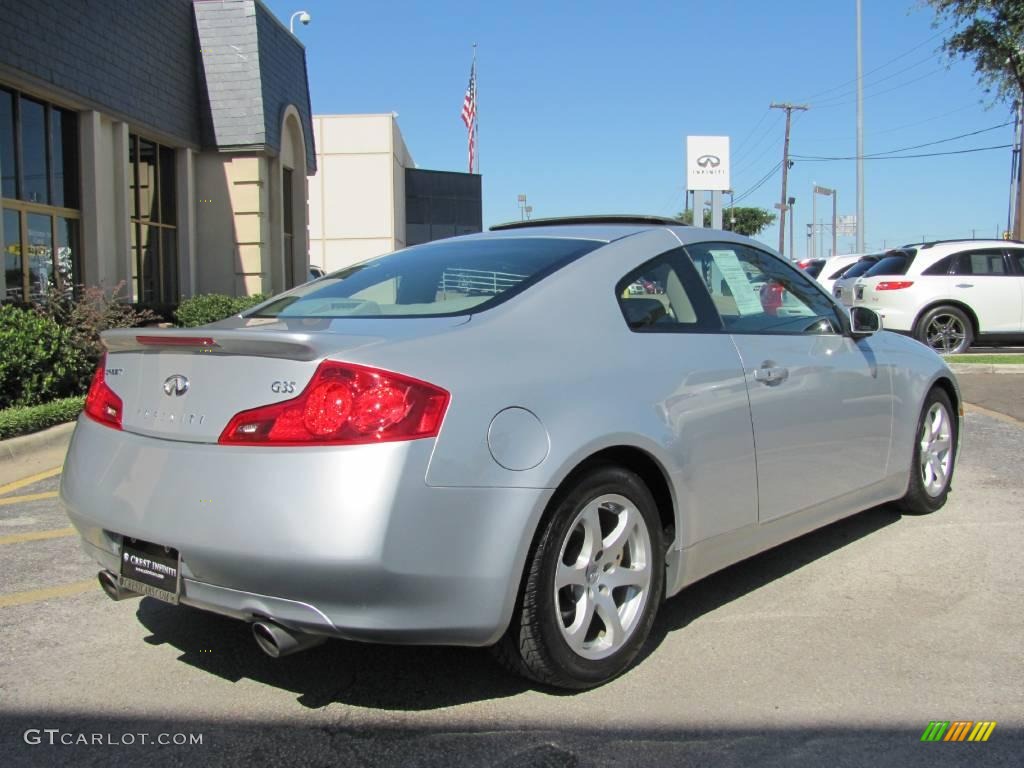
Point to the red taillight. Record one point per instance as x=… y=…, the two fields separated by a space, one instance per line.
x=345 y=404
x=805 y=263
x=101 y=404
x=893 y=285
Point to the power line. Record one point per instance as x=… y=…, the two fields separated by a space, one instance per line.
x=758 y=184
x=875 y=155
x=903 y=157
x=767 y=132
x=846 y=100
x=742 y=142
x=895 y=128
x=882 y=66
x=848 y=91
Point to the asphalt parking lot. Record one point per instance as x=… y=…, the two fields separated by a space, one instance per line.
x=838 y=648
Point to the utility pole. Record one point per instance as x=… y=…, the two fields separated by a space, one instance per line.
x=860 y=138
x=785 y=169
x=1017 y=231
x=792 y=206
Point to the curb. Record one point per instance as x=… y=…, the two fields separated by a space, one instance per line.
x=985 y=368
x=26 y=455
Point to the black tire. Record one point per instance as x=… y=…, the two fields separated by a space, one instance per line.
x=946 y=329
x=920 y=499
x=535 y=645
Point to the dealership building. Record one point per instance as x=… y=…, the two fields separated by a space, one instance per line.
x=368 y=197
x=162 y=145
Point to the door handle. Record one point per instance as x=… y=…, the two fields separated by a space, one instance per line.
x=771 y=375
x=965 y=285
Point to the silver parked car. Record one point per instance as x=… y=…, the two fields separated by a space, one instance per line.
x=499 y=440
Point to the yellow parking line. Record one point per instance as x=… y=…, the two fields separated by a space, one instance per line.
x=17 y=538
x=27 y=497
x=29 y=480
x=38 y=595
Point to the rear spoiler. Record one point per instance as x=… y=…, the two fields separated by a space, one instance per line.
x=290 y=345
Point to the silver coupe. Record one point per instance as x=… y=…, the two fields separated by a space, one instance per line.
x=527 y=439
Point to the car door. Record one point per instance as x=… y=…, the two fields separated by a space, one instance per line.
x=1016 y=256
x=820 y=403
x=688 y=369
x=978 y=277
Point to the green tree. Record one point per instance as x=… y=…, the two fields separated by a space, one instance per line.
x=749 y=221
x=990 y=33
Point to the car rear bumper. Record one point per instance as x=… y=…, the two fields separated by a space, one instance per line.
x=346 y=541
x=894 y=318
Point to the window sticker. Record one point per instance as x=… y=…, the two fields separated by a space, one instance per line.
x=747 y=297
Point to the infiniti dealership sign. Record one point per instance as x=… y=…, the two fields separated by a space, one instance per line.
x=707 y=162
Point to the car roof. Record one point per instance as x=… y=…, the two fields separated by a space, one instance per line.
x=610 y=227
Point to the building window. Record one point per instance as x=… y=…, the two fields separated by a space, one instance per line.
x=288 y=200
x=153 y=212
x=39 y=189
x=440 y=204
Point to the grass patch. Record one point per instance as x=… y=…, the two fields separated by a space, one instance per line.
x=987 y=359
x=24 y=420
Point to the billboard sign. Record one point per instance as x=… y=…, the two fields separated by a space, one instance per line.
x=707 y=162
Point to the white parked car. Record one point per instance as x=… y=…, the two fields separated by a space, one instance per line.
x=842 y=288
x=948 y=295
x=835 y=267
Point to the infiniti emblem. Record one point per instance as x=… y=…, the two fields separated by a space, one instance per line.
x=176 y=385
x=709 y=160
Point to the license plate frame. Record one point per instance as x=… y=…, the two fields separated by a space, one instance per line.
x=153 y=570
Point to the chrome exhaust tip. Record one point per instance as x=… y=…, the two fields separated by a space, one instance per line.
x=113 y=590
x=277 y=642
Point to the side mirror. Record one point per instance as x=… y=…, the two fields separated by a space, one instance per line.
x=864 y=322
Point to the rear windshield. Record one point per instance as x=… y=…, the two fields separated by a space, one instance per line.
x=448 y=277
x=891 y=264
x=860 y=267
x=814 y=269
x=841 y=271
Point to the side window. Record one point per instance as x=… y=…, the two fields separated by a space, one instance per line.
x=664 y=295
x=940 y=267
x=1017 y=259
x=755 y=292
x=987 y=261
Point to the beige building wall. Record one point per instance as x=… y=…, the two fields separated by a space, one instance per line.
x=357 y=197
x=232 y=225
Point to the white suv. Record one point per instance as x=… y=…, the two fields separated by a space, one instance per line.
x=948 y=294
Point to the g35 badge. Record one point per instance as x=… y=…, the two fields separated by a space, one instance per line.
x=283 y=387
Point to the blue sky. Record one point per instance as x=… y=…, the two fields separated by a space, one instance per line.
x=585 y=106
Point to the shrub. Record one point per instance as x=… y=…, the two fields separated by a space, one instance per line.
x=40 y=360
x=211 y=307
x=96 y=310
x=27 y=419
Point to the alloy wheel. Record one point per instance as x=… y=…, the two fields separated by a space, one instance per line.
x=936 y=450
x=945 y=333
x=603 y=576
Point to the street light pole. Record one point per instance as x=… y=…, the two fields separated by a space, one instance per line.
x=792 y=229
x=860 y=136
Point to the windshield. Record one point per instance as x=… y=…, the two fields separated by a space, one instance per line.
x=447 y=277
x=891 y=264
x=861 y=267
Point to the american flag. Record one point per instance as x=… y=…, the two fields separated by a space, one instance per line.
x=469 y=114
